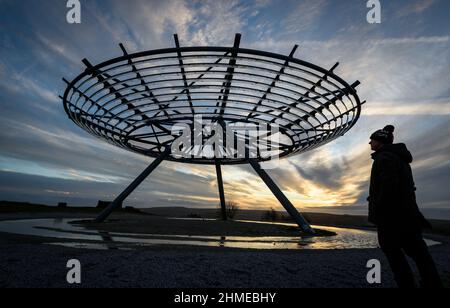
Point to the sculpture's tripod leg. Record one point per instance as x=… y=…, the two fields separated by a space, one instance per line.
x=298 y=218
x=118 y=201
x=221 y=190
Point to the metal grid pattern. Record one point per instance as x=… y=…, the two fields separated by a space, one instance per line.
x=133 y=101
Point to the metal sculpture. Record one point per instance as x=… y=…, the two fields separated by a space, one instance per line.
x=137 y=100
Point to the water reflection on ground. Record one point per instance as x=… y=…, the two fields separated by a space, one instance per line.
x=77 y=236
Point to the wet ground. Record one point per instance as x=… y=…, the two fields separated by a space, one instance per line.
x=119 y=261
x=85 y=235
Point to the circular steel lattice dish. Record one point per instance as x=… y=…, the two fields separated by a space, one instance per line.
x=135 y=100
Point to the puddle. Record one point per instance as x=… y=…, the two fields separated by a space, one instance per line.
x=90 y=239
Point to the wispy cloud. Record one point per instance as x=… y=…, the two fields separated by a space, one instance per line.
x=439 y=107
x=304 y=16
x=412 y=40
x=144 y=24
x=416 y=7
x=403 y=69
x=33 y=88
x=217 y=22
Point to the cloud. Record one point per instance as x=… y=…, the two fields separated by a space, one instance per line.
x=431 y=166
x=58 y=48
x=217 y=22
x=390 y=69
x=404 y=75
x=315 y=179
x=39 y=189
x=145 y=24
x=412 y=40
x=22 y=85
x=304 y=16
x=438 y=107
x=32 y=86
x=393 y=71
x=416 y=7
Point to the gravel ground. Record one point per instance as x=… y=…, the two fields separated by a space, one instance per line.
x=26 y=262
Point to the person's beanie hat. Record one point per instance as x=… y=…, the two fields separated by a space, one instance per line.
x=385 y=135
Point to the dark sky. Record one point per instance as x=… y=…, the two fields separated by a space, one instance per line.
x=403 y=65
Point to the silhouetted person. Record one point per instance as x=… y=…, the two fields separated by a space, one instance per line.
x=393 y=209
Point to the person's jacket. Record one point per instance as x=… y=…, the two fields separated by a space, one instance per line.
x=392 y=197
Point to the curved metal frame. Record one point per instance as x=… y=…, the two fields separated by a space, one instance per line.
x=134 y=100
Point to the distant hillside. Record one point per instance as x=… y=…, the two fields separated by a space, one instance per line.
x=321 y=219
x=25 y=207
x=314 y=218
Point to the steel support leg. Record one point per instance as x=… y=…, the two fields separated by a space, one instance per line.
x=298 y=218
x=116 y=203
x=221 y=190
